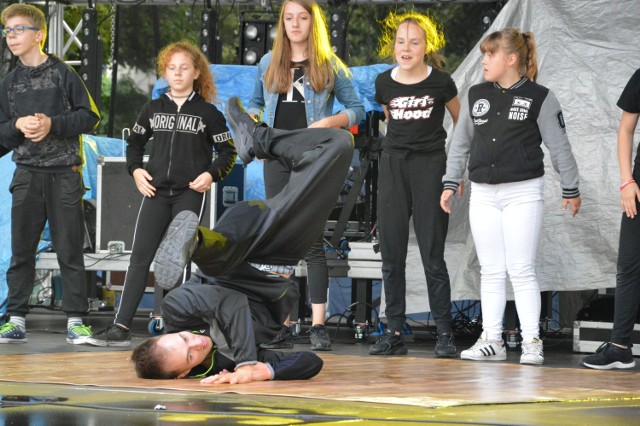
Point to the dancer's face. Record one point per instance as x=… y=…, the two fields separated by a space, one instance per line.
x=184 y=351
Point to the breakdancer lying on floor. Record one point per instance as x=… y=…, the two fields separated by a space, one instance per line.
x=239 y=306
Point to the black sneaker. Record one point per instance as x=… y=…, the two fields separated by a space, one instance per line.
x=388 y=344
x=175 y=250
x=110 y=336
x=320 y=340
x=283 y=340
x=609 y=356
x=445 y=346
x=243 y=127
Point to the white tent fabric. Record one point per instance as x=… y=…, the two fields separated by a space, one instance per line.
x=587 y=51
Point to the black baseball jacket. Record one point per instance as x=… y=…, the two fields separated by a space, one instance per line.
x=500 y=133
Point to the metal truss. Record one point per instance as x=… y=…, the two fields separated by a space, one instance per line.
x=58 y=29
x=264 y=3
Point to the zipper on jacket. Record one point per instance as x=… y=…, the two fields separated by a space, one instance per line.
x=173 y=135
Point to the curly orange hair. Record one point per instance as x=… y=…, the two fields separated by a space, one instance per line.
x=204 y=84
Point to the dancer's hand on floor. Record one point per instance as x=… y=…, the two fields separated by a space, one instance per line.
x=246 y=374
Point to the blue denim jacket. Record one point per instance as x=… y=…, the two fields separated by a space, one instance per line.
x=317 y=105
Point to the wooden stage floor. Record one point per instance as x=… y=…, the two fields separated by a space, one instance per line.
x=47 y=382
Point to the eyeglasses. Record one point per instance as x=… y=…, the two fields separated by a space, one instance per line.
x=17 y=30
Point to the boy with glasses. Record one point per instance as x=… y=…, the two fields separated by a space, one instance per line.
x=44 y=110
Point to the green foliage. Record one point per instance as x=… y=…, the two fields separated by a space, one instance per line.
x=145 y=29
x=460 y=22
x=130 y=100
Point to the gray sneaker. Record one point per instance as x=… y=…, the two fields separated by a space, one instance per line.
x=79 y=334
x=389 y=344
x=110 y=336
x=242 y=126
x=320 y=340
x=10 y=333
x=445 y=346
x=283 y=340
x=175 y=250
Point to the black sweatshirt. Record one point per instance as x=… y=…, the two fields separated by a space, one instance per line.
x=54 y=89
x=184 y=139
x=226 y=316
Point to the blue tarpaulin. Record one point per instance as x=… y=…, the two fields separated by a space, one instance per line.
x=231 y=80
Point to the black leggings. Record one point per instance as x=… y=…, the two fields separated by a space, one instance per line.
x=153 y=219
x=276 y=176
x=627 y=298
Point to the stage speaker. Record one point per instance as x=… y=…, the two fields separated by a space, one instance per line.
x=118 y=203
x=257 y=34
x=91 y=55
x=338 y=25
x=209 y=39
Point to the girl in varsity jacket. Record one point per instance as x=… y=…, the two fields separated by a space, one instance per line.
x=501 y=128
x=186 y=129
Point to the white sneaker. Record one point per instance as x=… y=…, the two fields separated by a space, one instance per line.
x=485 y=350
x=532 y=352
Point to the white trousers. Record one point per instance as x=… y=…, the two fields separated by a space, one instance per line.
x=505 y=222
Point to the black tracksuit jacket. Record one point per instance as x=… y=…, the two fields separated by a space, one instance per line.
x=183 y=142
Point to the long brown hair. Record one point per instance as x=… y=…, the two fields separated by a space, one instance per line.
x=204 y=84
x=322 y=64
x=513 y=41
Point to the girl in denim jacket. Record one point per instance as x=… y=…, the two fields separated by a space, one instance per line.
x=296 y=87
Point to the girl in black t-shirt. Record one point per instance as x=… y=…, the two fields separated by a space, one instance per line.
x=617 y=353
x=414 y=95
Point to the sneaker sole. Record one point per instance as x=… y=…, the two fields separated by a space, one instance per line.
x=241 y=148
x=446 y=355
x=25 y=340
x=104 y=343
x=484 y=358
x=78 y=340
x=401 y=351
x=321 y=348
x=613 y=366
x=524 y=362
x=173 y=254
